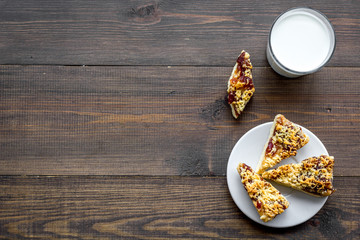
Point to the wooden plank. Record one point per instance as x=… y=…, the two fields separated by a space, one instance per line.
x=154 y=208
x=156 y=32
x=158 y=120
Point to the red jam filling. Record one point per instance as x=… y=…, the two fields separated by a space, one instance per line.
x=231 y=97
x=248 y=82
x=247 y=167
x=269 y=147
x=241 y=61
x=258 y=204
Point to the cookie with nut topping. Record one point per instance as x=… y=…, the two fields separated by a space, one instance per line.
x=313 y=175
x=240 y=84
x=268 y=201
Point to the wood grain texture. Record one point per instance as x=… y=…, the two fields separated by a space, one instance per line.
x=136 y=145
x=160 y=121
x=81 y=207
x=156 y=32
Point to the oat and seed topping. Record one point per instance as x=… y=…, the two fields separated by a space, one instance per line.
x=284 y=141
x=268 y=201
x=313 y=175
x=240 y=85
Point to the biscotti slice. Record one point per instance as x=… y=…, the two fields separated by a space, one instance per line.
x=240 y=84
x=268 y=201
x=285 y=138
x=313 y=175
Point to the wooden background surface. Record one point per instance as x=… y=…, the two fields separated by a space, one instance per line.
x=114 y=123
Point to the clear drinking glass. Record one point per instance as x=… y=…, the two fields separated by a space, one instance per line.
x=301 y=41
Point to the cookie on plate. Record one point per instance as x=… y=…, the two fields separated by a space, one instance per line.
x=268 y=201
x=313 y=175
x=285 y=138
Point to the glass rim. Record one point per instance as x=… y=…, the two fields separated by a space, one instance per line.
x=327 y=59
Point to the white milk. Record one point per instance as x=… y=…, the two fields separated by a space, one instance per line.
x=301 y=41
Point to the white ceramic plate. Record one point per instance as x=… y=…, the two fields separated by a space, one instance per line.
x=248 y=150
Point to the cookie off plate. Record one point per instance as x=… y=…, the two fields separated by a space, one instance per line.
x=248 y=150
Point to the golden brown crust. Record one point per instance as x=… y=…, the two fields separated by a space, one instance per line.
x=240 y=85
x=313 y=175
x=268 y=201
x=284 y=140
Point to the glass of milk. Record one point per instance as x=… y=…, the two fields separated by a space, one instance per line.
x=301 y=41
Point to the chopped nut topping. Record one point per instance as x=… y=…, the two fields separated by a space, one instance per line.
x=267 y=200
x=285 y=139
x=240 y=85
x=313 y=175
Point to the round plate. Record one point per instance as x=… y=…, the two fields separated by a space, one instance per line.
x=248 y=150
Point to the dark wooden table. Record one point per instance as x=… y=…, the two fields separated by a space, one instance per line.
x=114 y=123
